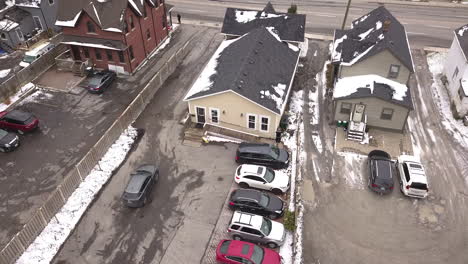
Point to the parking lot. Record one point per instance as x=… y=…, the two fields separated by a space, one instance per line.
x=69 y=125
x=194 y=182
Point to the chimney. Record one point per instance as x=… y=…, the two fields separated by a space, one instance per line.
x=386 y=25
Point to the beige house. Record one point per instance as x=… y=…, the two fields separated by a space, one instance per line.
x=377 y=43
x=245 y=85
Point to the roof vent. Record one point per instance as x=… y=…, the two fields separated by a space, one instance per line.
x=386 y=25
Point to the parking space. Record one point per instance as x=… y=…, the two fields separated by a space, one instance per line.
x=70 y=124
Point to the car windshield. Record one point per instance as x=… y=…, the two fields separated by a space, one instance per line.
x=257 y=255
x=418 y=185
x=29 y=120
x=275 y=152
x=224 y=247
x=264 y=200
x=29 y=58
x=3 y=133
x=269 y=175
x=266 y=226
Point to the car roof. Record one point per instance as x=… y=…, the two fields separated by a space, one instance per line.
x=99 y=75
x=253 y=169
x=37 y=49
x=247 y=219
x=417 y=172
x=18 y=115
x=135 y=182
x=235 y=248
x=254 y=147
x=384 y=169
x=246 y=194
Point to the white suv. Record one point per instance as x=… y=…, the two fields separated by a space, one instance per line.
x=256 y=228
x=261 y=177
x=413 y=180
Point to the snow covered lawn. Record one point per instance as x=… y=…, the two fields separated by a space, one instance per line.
x=26 y=88
x=47 y=244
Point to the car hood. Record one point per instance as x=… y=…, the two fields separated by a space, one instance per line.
x=276 y=204
x=281 y=180
x=277 y=231
x=8 y=138
x=149 y=168
x=283 y=155
x=271 y=257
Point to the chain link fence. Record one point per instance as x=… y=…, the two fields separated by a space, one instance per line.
x=20 y=242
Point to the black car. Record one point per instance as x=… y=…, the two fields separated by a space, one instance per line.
x=262 y=154
x=8 y=141
x=138 y=190
x=381 y=172
x=98 y=81
x=256 y=202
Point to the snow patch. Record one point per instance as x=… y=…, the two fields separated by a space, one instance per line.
x=335 y=55
x=352 y=171
x=161 y=47
x=245 y=16
x=7 y=24
x=4 y=73
x=68 y=23
x=48 y=243
x=349 y=85
x=304 y=47
x=293 y=47
x=274 y=32
x=364 y=35
x=113 y=30
x=210 y=138
x=135 y=7
x=91 y=45
x=378 y=25
x=24 y=89
x=462 y=30
x=286 y=250
x=278 y=99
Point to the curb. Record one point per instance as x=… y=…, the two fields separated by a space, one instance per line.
x=420 y=3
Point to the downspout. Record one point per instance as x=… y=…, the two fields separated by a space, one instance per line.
x=125 y=41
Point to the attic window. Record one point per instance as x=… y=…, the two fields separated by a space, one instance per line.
x=3 y=36
x=90 y=26
x=394 y=71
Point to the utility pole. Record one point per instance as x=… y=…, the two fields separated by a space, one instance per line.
x=346 y=15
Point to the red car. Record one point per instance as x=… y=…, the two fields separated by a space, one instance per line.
x=19 y=121
x=235 y=252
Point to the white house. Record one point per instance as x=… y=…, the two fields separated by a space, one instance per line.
x=456 y=71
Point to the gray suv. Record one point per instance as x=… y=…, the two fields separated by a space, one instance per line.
x=256 y=228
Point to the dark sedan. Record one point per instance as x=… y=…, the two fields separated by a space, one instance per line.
x=256 y=202
x=381 y=172
x=138 y=190
x=98 y=81
x=262 y=154
x=8 y=141
x=19 y=121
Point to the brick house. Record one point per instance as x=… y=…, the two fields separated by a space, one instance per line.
x=112 y=34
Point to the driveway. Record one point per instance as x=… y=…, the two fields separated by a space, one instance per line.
x=70 y=125
x=194 y=182
x=347 y=223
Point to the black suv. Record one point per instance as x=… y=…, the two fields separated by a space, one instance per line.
x=8 y=141
x=262 y=154
x=138 y=190
x=381 y=172
x=256 y=202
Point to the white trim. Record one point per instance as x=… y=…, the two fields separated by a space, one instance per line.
x=228 y=128
x=211 y=117
x=260 y=123
x=409 y=50
x=459 y=46
x=40 y=22
x=247 y=119
x=290 y=87
x=196 y=112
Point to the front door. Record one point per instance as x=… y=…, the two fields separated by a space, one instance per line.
x=200 y=115
x=76 y=53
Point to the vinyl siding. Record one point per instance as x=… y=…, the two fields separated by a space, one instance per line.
x=456 y=59
x=233 y=106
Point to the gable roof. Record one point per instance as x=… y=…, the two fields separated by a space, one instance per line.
x=107 y=14
x=369 y=35
x=462 y=36
x=290 y=27
x=373 y=86
x=257 y=66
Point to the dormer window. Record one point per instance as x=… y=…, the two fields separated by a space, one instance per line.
x=90 y=26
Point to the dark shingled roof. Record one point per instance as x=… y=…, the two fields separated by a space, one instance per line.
x=90 y=42
x=291 y=27
x=368 y=33
x=252 y=65
x=17 y=14
x=462 y=36
x=109 y=13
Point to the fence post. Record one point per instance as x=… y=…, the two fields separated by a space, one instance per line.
x=42 y=216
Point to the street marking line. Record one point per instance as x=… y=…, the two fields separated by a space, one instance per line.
x=325 y=15
x=436 y=26
x=416 y=33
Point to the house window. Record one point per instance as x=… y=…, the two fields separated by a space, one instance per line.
x=455 y=73
x=98 y=54
x=264 y=123
x=37 y=22
x=394 y=71
x=51 y=2
x=214 y=116
x=121 y=56
x=19 y=34
x=345 y=108
x=86 y=52
x=387 y=114
x=109 y=55
x=90 y=26
x=130 y=50
x=148 y=34
x=3 y=36
x=132 y=25
x=251 y=121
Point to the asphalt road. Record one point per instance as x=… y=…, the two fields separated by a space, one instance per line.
x=426 y=26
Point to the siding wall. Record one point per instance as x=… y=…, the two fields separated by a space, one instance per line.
x=378 y=64
x=233 y=106
x=456 y=59
x=374 y=107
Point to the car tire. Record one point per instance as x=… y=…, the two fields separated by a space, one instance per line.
x=272 y=245
x=277 y=191
x=236 y=237
x=243 y=185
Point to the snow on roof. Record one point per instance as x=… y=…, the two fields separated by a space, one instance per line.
x=294 y=48
x=37 y=49
x=273 y=32
x=7 y=24
x=462 y=30
x=464 y=82
x=278 y=99
x=97 y=14
x=8 y=4
x=203 y=83
x=336 y=55
x=91 y=45
x=69 y=23
x=29 y=3
x=245 y=16
x=135 y=7
x=112 y=29
x=349 y=85
x=357 y=58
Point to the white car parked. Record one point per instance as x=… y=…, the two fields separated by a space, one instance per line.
x=262 y=177
x=413 y=180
